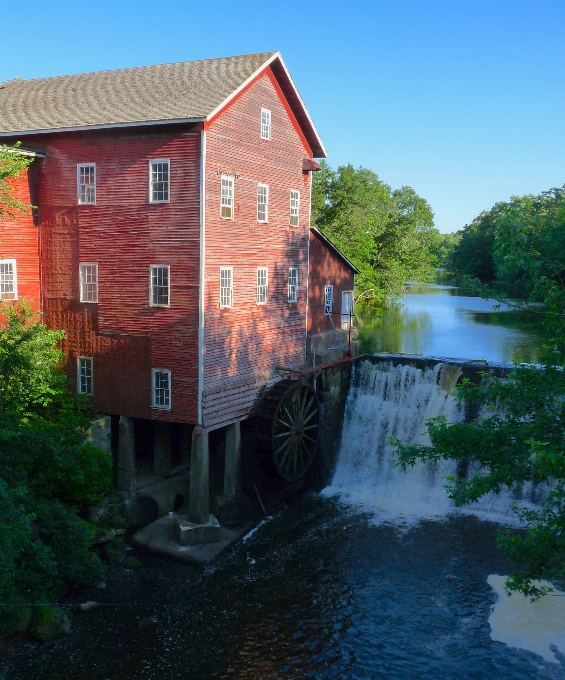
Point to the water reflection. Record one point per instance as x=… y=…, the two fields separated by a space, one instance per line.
x=440 y=320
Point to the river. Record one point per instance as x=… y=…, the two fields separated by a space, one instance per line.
x=377 y=577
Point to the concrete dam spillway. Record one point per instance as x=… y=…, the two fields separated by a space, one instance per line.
x=393 y=398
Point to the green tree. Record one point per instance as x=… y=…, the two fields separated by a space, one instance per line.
x=12 y=166
x=386 y=234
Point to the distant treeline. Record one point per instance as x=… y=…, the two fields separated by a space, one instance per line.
x=514 y=247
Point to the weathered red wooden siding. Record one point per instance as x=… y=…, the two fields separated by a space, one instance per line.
x=244 y=344
x=326 y=268
x=19 y=238
x=124 y=234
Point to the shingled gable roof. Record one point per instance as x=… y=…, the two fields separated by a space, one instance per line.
x=189 y=91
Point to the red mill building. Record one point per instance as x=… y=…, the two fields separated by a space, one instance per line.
x=171 y=244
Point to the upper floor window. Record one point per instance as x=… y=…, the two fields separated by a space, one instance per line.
x=292 y=284
x=294 y=207
x=265 y=124
x=226 y=287
x=8 y=280
x=262 y=203
x=328 y=299
x=88 y=281
x=86 y=182
x=262 y=285
x=227 y=198
x=159 y=181
x=84 y=375
x=161 y=388
x=160 y=285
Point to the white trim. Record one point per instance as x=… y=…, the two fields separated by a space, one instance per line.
x=151 y=268
x=102 y=126
x=267 y=124
x=159 y=160
x=85 y=165
x=230 y=270
x=202 y=299
x=266 y=285
x=15 y=280
x=169 y=406
x=263 y=186
x=79 y=383
x=80 y=266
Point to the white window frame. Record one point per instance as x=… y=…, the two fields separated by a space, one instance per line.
x=263 y=191
x=266 y=124
x=328 y=299
x=87 y=360
x=294 y=211
x=226 y=299
x=80 y=184
x=153 y=162
x=83 y=274
x=14 y=282
x=229 y=200
x=152 y=286
x=346 y=320
x=168 y=390
x=292 y=284
x=262 y=288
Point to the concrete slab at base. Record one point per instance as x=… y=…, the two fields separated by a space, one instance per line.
x=159 y=537
x=189 y=533
x=232 y=511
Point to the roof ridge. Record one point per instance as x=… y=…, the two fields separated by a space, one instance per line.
x=268 y=55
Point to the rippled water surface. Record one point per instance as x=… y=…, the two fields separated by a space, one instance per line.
x=331 y=594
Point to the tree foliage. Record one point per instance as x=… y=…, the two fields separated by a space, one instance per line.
x=520 y=436
x=12 y=166
x=48 y=473
x=387 y=234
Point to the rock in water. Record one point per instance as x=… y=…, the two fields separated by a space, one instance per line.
x=50 y=623
x=85 y=606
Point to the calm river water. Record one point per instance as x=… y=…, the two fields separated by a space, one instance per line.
x=325 y=589
x=440 y=321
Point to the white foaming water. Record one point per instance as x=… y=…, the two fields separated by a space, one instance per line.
x=394 y=401
x=387 y=401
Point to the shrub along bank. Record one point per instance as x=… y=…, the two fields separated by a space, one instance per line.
x=49 y=474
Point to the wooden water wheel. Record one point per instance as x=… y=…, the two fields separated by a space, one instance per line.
x=288 y=427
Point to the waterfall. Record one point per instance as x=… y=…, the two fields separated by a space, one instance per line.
x=387 y=401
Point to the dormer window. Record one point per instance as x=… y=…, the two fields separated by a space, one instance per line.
x=265 y=124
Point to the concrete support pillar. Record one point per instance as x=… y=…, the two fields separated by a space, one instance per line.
x=198 y=501
x=162 y=448
x=232 y=468
x=126 y=455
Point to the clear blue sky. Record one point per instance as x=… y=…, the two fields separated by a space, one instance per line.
x=464 y=101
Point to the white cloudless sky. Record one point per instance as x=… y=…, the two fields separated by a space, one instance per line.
x=463 y=101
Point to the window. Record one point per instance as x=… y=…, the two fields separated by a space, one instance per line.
x=161 y=392
x=8 y=280
x=84 y=375
x=86 y=182
x=265 y=124
x=262 y=203
x=328 y=299
x=159 y=181
x=226 y=287
x=262 y=289
x=88 y=282
x=227 y=198
x=292 y=284
x=294 y=207
x=160 y=282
